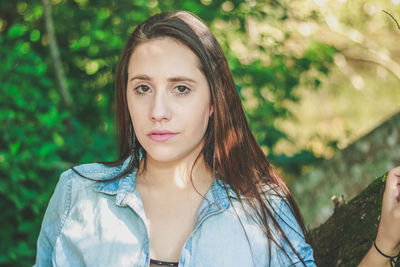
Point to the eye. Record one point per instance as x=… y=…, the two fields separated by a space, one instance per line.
x=181 y=90
x=142 y=89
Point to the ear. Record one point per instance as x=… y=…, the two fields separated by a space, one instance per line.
x=211 y=110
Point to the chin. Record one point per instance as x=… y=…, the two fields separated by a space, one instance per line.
x=163 y=154
x=164 y=157
x=169 y=154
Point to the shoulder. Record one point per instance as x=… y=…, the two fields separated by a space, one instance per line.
x=73 y=184
x=78 y=179
x=282 y=209
x=287 y=228
x=94 y=171
x=274 y=202
x=284 y=215
x=273 y=197
x=89 y=173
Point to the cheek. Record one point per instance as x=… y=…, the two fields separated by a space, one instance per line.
x=198 y=119
x=136 y=115
x=131 y=111
x=202 y=112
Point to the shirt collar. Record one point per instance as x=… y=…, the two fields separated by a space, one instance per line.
x=221 y=192
x=120 y=187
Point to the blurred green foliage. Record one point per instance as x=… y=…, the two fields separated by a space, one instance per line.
x=39 y=137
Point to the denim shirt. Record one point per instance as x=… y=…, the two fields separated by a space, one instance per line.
x=89 y=223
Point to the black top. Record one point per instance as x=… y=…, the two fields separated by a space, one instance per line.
x=163 y=263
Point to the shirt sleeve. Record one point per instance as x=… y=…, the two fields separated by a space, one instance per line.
x=291 y=228
x=53 y=220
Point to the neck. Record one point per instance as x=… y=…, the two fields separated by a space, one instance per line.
x=177 y=175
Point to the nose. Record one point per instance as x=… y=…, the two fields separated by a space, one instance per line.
x=160 y=110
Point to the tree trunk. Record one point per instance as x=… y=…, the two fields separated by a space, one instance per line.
x=55 y=54
x=347 y=235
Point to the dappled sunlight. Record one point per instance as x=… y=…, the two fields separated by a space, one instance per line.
x=181 y=177
x=314 y=75
x=103 y=225
x=361 y=90
x=326 y=115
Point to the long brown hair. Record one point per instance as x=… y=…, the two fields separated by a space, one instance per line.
x=230 y=149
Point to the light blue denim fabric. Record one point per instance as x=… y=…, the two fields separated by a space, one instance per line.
x=103 y=224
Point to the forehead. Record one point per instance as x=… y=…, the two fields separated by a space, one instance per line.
x=164 y=54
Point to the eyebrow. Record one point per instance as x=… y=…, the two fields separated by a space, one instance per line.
x=144 y=77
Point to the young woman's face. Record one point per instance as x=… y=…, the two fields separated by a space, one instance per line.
x=168 y=99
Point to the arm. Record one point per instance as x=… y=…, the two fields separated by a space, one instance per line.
x=388 y=237
x=53 y=220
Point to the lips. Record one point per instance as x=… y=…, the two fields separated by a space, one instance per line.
x=161 y=135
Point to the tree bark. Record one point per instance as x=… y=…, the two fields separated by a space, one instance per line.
x=347 y=235
x=55 y=55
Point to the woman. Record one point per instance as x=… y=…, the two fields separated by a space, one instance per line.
x=191 y=185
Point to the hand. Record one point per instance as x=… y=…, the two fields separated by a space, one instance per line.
x=388 y=237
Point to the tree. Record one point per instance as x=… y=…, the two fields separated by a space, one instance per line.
x=43 y=133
